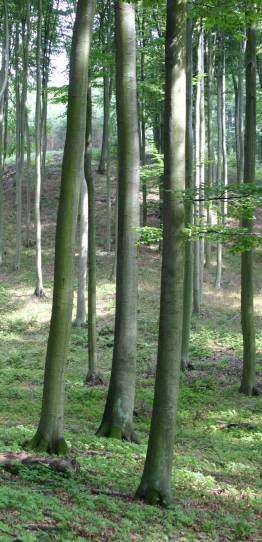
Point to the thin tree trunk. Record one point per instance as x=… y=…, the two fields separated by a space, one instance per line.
x=248 y=381
x=3 y=101
x=82 y=260
x=219 y=163
x=39 y=289
x=199 y=176
x=92 y=376
x=210 y=140
x=143 y=124
x=28 y=182
x=50 y=433
x=155 y=486
x=108 y=182
x=107 y=99
x=188 y=280
x=18 y=156
x=118 y=415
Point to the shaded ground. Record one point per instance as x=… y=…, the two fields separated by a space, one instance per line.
x=217 y=489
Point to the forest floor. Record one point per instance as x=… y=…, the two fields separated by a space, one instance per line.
x=217 y=488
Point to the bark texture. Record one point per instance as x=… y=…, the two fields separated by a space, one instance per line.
x=50 y=433
x=155 y=486
x=118 y=415
x=248 y=382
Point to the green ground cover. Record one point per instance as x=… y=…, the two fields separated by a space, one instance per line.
x=217 y=488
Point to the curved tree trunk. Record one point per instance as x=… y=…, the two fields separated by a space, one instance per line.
x=50 y=433
x=188 y=280
x=248 y=381
x=155 y=486
x=118 y=415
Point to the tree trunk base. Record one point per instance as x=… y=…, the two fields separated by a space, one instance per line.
x=94 y=379
x=152 y=495
x=250 y=391
x=79 y=322
x=110 y=430
x=40 y=443
x=101 y=171
x=39 y=292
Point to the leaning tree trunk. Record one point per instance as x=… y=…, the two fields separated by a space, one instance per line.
x=188 y=281
x=92 y=376
x=118 y=415
x=155 y=486
x=248 y=382
x=50 y=433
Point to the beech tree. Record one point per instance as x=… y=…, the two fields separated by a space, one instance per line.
x=248 y=382
x=50 y=432
x=118 y=414
x=156 y=480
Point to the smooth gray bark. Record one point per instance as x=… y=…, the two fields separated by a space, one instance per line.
x=92 y=377
x=39 y=289
x=82 y=258
x=50 y=433
x=118 y=414
x=155 y=486
x=188 y=280
x=248 y=381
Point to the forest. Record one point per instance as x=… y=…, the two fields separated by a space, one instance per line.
x=130 y=270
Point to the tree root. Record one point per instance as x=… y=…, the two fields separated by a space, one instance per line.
x=109 y=430
x=153 y=496
x=39 y=293
x=250 y=391
x=41 y=444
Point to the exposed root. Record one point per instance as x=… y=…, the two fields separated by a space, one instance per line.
x=39 y=293
x=250 y=391
x=153 y=496
x=109 y=430
x=40 y=444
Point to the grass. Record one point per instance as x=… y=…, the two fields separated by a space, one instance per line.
x=217 y=489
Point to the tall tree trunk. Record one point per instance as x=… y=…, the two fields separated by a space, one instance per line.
x=188 y=280
x=210 y=138
x=143 y=123
x=28 y=182
x=155 y=486
x=219 y=161
x=50 y=433
x=107 y=100
x=18 y=155
x=92 y=353
x=118 y=415
x=3 y=94
x=82 y=260
x=26 y=28
x=248 y=381
x=39 y=289
x=199 y=175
